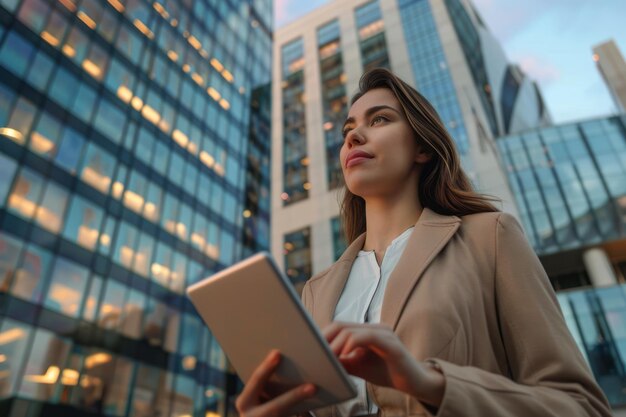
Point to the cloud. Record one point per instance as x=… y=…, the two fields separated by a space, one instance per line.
x=542 y=71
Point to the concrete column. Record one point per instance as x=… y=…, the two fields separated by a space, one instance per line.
x=599 y=268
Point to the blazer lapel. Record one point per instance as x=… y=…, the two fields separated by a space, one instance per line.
x=432 y=232
x=331 y=287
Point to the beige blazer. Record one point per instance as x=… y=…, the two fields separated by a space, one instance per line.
x=471 y=294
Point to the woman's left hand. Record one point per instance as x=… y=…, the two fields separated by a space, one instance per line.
x=374 y=352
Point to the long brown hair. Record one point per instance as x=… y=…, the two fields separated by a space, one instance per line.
x=443 y=186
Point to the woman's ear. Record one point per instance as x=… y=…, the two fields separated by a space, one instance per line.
x=423 y=156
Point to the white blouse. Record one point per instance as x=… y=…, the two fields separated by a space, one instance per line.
x=361 y=302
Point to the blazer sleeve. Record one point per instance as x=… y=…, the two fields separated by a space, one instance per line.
x=549 y=376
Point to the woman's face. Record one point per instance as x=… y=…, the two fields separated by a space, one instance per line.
x=380 y=155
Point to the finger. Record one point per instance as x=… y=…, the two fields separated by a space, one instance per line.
x=339 y=341
x=372 y=339
x=257 y=381
x=332 y=330
x=281 y=404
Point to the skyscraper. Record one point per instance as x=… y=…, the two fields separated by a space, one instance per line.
x=441 y=47
x=133 y=135
x=612 y=66
x=569 y=182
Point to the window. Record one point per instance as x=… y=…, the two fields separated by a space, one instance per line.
x=297 y=247
x=83 y=223
x=85 y=101
x=120 y=80
x=131 y=323
x=117 y=395
x=6 y=98
x=129 y=44
x=161 y=267
x=15 y=54
x=67 y=287
x=45 y=366
x=108 y=25
x=143 y=255
x=8 y=167
x=21 y=120
x=15 y=344
x=50 y=212
x=25 y=194
x=110 y=120
x=93 y=298
x=111 y=304
x=96 y=62
x=40 y=71
x=10 y=249
x=125 y=245
x=45 y=137
x=63 y=87
x=98 y=166
x=33 y=14
x=76 y=45
x=55 y=29
x=29 y=276
x=70 y=150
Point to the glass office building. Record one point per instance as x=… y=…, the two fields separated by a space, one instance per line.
x=442 y=48
x=130 y=131
x=569 y=182
x=570 y=185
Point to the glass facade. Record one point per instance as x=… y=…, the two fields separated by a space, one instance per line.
x=371 y=35
x=339 y=238
x=469 y=39
x=597 y=320
x=128 y=130
x=297 y=250
x=430 y=70
x=568 y=182
x=296 y=183
x=334 y=99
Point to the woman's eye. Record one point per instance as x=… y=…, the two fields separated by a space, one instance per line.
x=345 y=132
x=378 y=119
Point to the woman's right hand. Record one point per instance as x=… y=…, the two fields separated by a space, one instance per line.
x=253 y=400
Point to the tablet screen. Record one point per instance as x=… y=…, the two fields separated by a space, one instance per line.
x=251 y=308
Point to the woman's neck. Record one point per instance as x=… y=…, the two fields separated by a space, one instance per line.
x=388 y=218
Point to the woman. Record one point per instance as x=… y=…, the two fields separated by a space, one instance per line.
x=439 y=305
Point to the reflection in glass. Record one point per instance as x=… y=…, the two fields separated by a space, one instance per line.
x=29 y=276
x=93 y=298
x=25 y=194
x=67 y=287
x=117 y=391
x=50 y=212
x=83 y=222
x=70 y=150
x=9 y=252
x=98 y=168
x=111 y=305
x=15 y=54
x=45 y=367
x=14 y=337
x=20 y=121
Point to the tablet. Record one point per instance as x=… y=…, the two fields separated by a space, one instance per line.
x=251 y=308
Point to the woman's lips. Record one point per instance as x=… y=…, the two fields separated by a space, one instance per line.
x=356 y=161
x=356 y=158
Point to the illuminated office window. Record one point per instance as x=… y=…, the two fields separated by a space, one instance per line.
x=295 y=161
x=334 y=99
x=371 y=35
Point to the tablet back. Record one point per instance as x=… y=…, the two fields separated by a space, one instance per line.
x=251 y=309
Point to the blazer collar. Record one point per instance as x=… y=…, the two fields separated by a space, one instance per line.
x=431 y=233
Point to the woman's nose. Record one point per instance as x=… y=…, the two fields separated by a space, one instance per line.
x=355 y=138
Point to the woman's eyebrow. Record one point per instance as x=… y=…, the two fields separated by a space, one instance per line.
x=371 y=111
